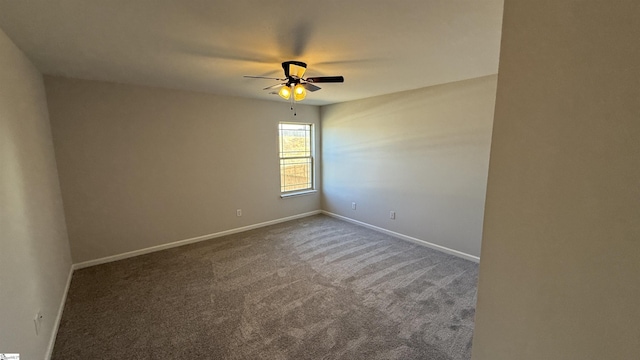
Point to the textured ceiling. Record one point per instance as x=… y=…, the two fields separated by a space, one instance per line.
x=379 y=46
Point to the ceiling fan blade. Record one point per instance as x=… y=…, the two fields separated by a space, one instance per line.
x=263 y=77
x=311 y=87
x=325 y=79
x=274 y=86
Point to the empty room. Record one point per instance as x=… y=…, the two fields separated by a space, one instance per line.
x=319 y=179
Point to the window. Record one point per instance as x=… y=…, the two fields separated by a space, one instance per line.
x=296 y=157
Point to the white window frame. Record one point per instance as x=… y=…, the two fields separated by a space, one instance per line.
x=311 y=157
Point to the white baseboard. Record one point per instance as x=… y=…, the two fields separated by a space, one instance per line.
x=148 y=250
x=406 y=237
x=56 y=325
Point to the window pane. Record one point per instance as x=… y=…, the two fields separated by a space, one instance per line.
x=295 y=142
x=295 y=174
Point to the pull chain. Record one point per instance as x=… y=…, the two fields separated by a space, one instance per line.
x=293 y=106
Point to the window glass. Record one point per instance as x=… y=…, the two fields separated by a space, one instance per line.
x=296 y=157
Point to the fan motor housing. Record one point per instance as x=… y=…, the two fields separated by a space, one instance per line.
x=298 y=68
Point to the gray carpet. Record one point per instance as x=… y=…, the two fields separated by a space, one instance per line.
x=313 y=288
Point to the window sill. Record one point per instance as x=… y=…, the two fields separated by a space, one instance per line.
x=298 y=193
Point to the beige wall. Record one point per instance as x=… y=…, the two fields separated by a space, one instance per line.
x=141 y=166
x=560 y=270
x=423 y=154
x=34 y=253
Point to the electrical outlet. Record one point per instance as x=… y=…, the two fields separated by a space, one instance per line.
x=392 y=215
x=37 y=321
x=353 y=206
x=239 y=212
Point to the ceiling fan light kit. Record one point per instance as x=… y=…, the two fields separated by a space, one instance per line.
x=285 y=92
x=295 y=83
x=299 y=92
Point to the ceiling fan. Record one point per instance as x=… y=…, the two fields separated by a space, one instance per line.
x=294 y=82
